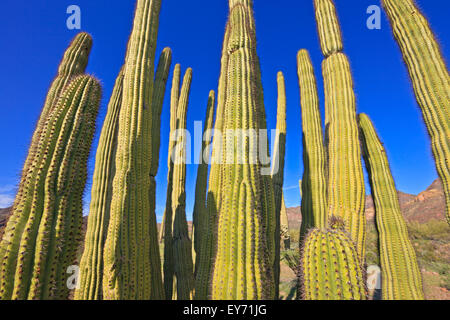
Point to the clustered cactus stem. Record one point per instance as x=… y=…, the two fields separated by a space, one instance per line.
x=244 y=200
x=430 y=79
x=91 y=264
x=38 y=254
x=278 y=156
x=204 y=267
x=73 y=63
x=401 y=277
x=200 y=215
x=330 y=267
x=132 y=270
x=181 y=244
x=345 y=189
x=313 y=186
x=167 y=224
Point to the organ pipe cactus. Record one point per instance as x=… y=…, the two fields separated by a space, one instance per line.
x=401 y=278
x=181 y=244
x=243 y=200
x=37 y=255
x=73 y=63
x=313 y=185
x=430 y=79
x=278 y=173
x=204 y=267
x=168 y=266
x=345 y=176
x=330 y=267
x=131 y=265
x=200 y=215
x=91 y=264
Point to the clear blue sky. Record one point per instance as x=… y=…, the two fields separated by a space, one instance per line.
x=34 y=36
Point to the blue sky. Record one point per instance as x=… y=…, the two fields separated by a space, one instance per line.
x=34 y=36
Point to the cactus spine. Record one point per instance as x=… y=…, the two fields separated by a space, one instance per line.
x=400 y=272
x=73 y=63
x=345 y=176
x=91 y=264
x=242 y=268
x=278 y=173
x=181 y=244
x=131 y=267
x=200 y=215
x=37 y=256
x=330 y=265
x=430 y=79
x=313 y=186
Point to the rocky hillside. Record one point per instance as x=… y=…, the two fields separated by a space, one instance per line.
x=427 y=205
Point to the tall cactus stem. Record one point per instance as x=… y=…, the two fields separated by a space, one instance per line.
x=345 y=190
x=401 y=277
x=313 y=185
x=430 y=79
x=131 y=267
x=200 y=215
x=277 y=173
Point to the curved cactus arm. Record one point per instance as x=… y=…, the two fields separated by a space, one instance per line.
x=91 y=264
x=200 y=215
x=277 y=173
x=430 y=79
x=345 y=189
x=401 y=277
x=313 y=185
x=182 y=246
x=330 y=266
x=129 y=259
x=73 y=63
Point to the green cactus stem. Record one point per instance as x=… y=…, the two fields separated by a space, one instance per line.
x=430 y=79
x=401 y=277
x=243 y=201
x=181 y=244
x=91 y=264
x=330 y=267
x=132 y=270
x=313 y=185
x=37 y=256
x=204 y=265
x=73 y=63
x=345 y=190
x=278 y=173
x=168 y=266
x=200 y=215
